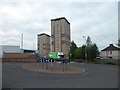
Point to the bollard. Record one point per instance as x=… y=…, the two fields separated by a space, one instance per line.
x=42 y=63
x=46 y=65
x=60 y=65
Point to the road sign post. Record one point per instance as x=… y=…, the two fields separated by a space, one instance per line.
x=51 y=63
x=46 y=63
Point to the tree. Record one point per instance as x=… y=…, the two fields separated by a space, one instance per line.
x=72 y=49
x=96 y=50
x=83 y=51
x=88 y=41
x=92 y=52
x=119 y=42
x=78 y=53
x=91 y=49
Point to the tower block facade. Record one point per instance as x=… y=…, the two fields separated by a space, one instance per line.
x=60 y=35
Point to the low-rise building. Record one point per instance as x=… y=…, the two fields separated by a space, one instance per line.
x=9 y=49
x=110 y=52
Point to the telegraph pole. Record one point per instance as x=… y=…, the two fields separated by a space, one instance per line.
x=22 y=43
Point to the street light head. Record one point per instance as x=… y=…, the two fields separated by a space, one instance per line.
x=84 y=37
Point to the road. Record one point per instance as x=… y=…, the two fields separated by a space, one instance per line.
x=0 y=74
x=96 y=76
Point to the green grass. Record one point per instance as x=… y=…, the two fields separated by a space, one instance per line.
x=96 y=62
x=108 y=62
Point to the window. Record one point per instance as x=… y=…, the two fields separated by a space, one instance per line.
x=110 y=57
x=110 y=52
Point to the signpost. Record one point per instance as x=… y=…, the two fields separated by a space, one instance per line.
x=54 y=61
x=42 y=62
x=46 y=63
x=51 y=60
x=53 y=55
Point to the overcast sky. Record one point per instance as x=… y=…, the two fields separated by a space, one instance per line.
x=96 y=18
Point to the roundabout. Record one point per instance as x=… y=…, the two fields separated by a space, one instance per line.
x=56 y=68
x=36 y=75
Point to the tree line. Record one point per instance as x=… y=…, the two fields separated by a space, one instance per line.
x=89 y=48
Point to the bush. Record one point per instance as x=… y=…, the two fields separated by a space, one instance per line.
x=111 y=63
x=97 y=63
x=79 y=61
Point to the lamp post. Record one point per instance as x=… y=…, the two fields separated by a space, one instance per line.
x=85 y=48
x=70 y=56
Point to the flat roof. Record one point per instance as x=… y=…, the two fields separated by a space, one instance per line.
x=9 y=45
x=60 y=19
x=43 y=34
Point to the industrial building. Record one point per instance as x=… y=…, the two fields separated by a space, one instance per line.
x=9 y=49
x=15 y=54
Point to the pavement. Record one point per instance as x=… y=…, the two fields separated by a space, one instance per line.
x=96 y=76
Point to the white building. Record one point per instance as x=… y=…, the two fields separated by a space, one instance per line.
x=110 y=52
x=9 y=49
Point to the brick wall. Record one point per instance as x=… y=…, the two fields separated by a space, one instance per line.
x=18 y=57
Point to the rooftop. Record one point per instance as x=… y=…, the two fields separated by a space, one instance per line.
x=111 y=47
x=43 y=34
x=60 y=19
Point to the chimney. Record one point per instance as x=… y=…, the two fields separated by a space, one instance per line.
x=111 y=44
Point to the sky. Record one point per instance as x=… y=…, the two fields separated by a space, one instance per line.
x=95 y=18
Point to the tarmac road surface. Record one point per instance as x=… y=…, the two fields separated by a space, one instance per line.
x=0 y=74
x=96 y=76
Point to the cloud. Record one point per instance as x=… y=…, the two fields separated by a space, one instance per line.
x=97 y=19
x=99 y=23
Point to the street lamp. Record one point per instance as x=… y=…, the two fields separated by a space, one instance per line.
x=85 y=48
x=70 y=56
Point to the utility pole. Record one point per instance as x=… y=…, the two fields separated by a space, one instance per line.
x=33 y=45
x=22 y=44
x=85 y=48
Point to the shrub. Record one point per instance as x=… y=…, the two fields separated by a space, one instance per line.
x=111 y=63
